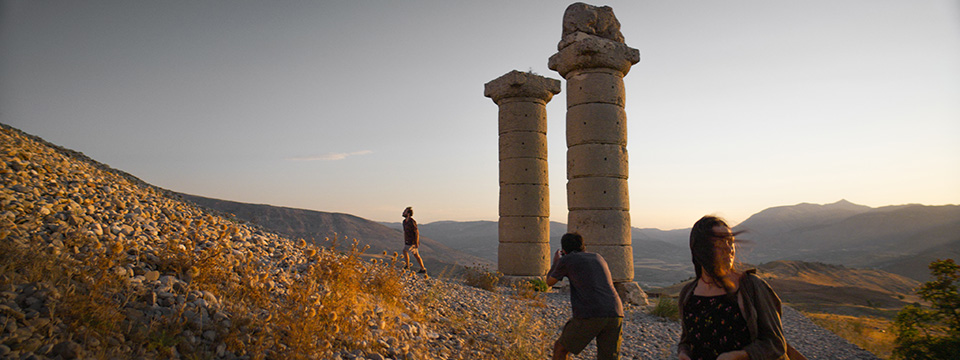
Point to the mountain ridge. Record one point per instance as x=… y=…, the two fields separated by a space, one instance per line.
x=317 y=226
x=839 y=233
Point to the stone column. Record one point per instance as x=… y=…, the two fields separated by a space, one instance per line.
x=524 y=191
x=593 y=59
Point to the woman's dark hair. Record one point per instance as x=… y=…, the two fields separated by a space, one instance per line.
x=571 y=242
x=702 y=246
x=409 y=209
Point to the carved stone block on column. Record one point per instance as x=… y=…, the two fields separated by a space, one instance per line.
x=596 y=124
x=524 y=259
x=518 y=84
x=523 y=116
x=602 y=227
x=521 y=144
x=597 y=160
x=588 y=51
x=523 y=171
x=595 y=86
x=598 y=193
x=524 y=229
x=524 y=200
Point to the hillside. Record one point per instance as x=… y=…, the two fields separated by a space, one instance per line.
x=852 y=235
x=783 y=219
x=98 y=264
x=835 y=289
x=95 y=263
x=818 y=287
x=315 y=226
x=916 y=266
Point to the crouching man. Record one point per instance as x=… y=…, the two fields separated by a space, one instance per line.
x=597 y=310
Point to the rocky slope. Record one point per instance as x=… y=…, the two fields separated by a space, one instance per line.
x=94 y=263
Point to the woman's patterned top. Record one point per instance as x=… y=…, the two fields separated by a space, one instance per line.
x=716 y=326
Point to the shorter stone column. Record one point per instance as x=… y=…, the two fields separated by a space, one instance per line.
x=524 y=191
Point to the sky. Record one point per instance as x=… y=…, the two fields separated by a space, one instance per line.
x=366 y=107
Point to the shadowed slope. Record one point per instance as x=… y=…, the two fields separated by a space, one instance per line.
x=315 y=226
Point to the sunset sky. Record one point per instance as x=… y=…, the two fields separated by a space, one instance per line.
x=366 y=107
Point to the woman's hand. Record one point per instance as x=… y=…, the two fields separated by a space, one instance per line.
x=734 y=355
x=556 y=256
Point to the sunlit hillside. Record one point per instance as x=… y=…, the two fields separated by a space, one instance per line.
x=95 y=263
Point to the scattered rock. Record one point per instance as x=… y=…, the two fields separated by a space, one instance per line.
x=68 y=350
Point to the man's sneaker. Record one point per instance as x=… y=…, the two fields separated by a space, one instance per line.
x=422 y=271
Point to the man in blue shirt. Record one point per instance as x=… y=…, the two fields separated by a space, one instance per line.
x=597 y=310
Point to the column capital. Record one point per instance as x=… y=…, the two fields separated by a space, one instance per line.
x=518 y=84
x=584 y=51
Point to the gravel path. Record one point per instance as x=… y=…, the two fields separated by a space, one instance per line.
x=645 y=336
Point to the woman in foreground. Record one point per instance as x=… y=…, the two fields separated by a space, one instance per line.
x=726 y=314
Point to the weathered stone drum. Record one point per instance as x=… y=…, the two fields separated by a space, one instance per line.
x=524 y=186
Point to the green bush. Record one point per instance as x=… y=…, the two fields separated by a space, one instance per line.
x=666 y=307
x=934 y=332
x=539 y=285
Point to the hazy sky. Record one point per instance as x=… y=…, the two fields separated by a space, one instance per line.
x=366 y=107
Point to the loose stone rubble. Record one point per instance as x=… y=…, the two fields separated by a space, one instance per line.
x=136 y=251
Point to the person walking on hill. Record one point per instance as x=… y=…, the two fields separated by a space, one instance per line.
x=597 y=310
x=725 y=313
x=411 y=240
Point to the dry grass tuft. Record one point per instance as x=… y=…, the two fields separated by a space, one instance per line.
x=525 y=335
x=666 y=307
x=481 y=277
x=870 y=333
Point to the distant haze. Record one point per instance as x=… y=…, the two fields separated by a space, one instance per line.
x=368 y=107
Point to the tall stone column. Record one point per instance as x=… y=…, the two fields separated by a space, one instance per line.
x=593 y=59
x=524 y=191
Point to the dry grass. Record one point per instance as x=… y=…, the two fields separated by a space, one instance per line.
x=529 y=290
x=870 y=333
x=481 y=277
x=666 y=307
x=525 y=335
x=329 y=305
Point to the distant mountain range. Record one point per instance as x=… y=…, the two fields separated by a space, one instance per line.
x=900 y=239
